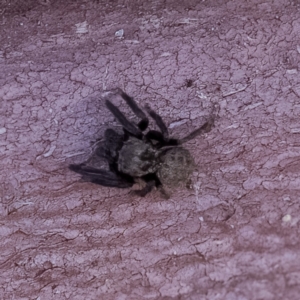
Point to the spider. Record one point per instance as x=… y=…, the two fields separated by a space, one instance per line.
x=153 y=157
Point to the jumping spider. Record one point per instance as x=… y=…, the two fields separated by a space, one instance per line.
x=153 y=157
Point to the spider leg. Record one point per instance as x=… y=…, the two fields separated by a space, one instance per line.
x=163 y=192
x=130 y=127
x=203 y=129
x=143 y=124
x=151 y=182
x=113 y=139
x=147 y=189
x=159 y=121
x=113 y=143
x=103 y=177
x=155 y=135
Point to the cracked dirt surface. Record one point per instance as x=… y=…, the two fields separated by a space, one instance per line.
x=234 y=234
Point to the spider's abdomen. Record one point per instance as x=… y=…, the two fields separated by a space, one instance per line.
x=177 y=165
x=137 y=158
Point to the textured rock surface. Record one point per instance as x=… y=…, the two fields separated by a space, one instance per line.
x=234 y=234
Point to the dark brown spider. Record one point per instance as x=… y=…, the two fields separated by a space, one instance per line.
x=152 y=157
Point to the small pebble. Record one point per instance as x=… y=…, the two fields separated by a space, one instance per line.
x=2 y=130
x=287 y=218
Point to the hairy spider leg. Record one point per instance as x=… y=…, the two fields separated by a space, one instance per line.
x=130 y=127
x=112 y=144
x=143 y=124
x=110 y=151
x=103 y=177
x=147 y=189
x=151 y=181
x=203 y=129
x=161 y=136
x=159 y=121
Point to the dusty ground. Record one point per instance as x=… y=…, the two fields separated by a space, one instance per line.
x=235 y=233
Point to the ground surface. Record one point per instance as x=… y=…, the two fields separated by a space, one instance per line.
x=235 y=233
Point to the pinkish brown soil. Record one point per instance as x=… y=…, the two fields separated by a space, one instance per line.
x=234 y=234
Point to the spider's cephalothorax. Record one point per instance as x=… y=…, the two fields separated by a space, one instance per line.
x=153 y=157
